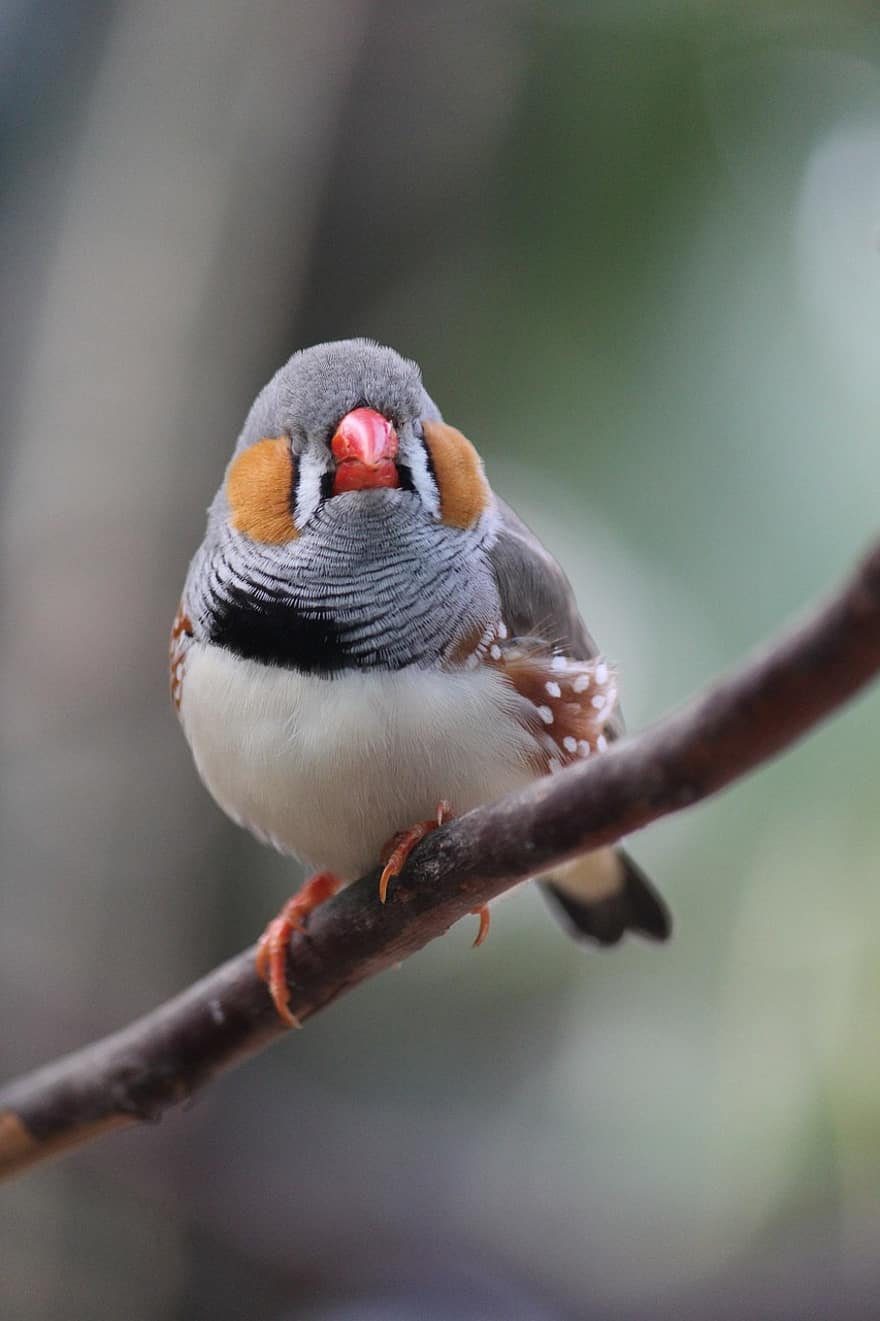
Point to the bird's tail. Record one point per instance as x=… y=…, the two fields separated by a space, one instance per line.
x=604 y=894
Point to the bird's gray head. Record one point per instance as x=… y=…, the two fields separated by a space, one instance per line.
x=349 y=418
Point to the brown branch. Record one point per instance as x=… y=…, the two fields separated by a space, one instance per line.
x=776 y=696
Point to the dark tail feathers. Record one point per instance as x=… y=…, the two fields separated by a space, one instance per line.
x=636 y=906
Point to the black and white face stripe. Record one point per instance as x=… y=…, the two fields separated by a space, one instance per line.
x=414 y=454
x=315 y=468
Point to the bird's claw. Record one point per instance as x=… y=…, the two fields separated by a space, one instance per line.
x=401 y=845
x=271 y=956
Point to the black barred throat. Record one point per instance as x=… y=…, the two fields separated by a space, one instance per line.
x=276 y=632
x=372 y=584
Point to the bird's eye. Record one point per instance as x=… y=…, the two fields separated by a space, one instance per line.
x=260 y=488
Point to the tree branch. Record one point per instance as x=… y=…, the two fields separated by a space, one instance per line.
x=777 y=695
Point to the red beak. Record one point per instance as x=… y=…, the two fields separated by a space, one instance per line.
x=364 y=447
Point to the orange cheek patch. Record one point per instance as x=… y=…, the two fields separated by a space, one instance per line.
x=464 y=491
x=259 y=489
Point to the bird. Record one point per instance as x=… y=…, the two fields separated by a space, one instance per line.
x=370 y=639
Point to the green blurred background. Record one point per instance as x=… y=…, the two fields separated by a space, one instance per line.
x=635 y=246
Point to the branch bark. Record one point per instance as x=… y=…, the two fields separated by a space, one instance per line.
x=744 y=719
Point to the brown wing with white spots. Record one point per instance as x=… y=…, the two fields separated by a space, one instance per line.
x=547 y=653
x=571 y=701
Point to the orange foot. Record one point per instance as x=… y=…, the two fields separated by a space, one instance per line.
x=398 y=849
x=272 y=949
x=401 y=845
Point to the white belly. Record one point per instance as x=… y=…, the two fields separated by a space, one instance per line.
x=329 y=769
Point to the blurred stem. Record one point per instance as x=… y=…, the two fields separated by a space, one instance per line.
x=775 y=696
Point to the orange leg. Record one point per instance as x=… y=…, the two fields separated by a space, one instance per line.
x=272 y=949
x=483 y=914
x=398 y=849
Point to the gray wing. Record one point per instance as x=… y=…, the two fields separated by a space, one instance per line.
x=537 y=600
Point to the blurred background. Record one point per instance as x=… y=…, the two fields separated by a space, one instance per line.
x=635 y=245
